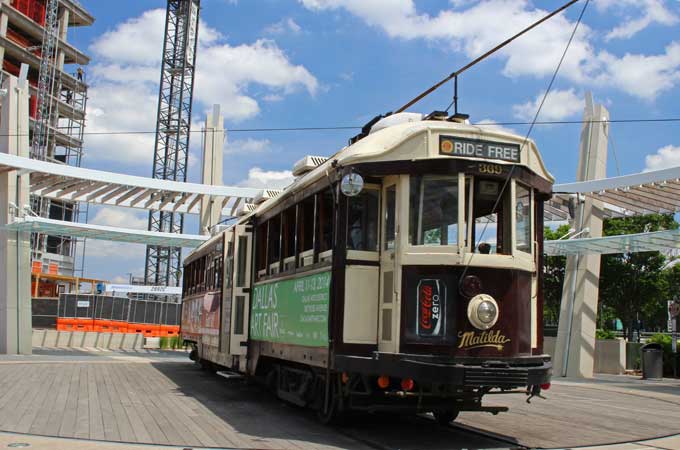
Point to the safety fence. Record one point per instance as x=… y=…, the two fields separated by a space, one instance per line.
x=105 y=313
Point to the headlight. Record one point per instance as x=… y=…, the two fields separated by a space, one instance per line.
x=483 y=311
x=486 y=311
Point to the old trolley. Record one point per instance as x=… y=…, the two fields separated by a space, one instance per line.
x=402 y=273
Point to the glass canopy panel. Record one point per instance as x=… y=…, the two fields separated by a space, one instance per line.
x=642 y=242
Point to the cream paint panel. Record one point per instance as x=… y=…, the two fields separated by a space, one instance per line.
x=470 y=259
x=360 y=324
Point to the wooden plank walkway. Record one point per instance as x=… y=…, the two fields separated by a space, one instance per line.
x=142 y=399
x=156 y=403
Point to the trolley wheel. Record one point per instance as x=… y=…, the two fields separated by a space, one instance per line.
x=193 y=354
x=445 y=417
x=336 y=414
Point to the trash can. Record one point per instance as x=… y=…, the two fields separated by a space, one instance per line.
x=651 y=358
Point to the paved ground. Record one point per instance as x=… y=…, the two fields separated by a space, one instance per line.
x=161 y=398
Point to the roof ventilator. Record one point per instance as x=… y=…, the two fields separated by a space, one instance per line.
x=307 y=164
x=266 y=194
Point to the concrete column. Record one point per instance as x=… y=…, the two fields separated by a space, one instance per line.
x=15 y=257
x=211 y=209
x=575 y=347
x=3 y=29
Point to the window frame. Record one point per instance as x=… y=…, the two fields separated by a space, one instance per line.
x=532 y=232
x=366 y=255
x=463 y=218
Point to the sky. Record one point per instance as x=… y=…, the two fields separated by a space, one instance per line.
x=326 y=63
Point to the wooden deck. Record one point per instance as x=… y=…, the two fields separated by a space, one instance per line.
x=139 y=398
x=129 y=398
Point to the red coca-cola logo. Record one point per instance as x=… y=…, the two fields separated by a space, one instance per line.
x=426 y=307
x=431 y=294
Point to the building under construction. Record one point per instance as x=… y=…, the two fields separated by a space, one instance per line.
x=35 y=33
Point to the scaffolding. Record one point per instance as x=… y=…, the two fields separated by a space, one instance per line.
x=171 y=152
x=57 y=105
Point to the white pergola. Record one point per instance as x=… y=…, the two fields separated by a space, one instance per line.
x=68 y=183
x=653 y=192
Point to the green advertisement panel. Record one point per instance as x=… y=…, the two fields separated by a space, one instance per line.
x=292 y=311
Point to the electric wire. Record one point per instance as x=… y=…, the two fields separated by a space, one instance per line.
x=526 y=138
x=358 y=127
x=455 y=74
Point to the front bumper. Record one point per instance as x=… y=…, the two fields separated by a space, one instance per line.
x=503 y=373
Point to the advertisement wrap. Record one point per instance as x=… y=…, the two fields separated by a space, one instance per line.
x=292 y=311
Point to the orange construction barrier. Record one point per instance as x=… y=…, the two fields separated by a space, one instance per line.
x=169 y=330
x=53 y=269
x=36 y=267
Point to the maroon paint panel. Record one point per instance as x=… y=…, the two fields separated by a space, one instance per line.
x=509 y=337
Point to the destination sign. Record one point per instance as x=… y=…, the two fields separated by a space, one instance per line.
x=472 y=148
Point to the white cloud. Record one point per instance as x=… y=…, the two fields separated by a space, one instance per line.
x=247 y=146
x=224 y=73
x=258 y=178
x=644 y=76
x=284 y=26
x=117 y=254
x=478 y=28
x=489 y=124
x=559 y=105
x=114 y=107
x=644 y=13
x=472 y=28
x=665 y=157
x=137 y=40
x=120 y=217
x=124 y=83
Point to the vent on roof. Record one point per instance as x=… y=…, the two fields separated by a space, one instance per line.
x=265 y=195
x=307 y=164
x=245 y=208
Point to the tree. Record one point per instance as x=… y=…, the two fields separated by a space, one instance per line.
x=632 y=285
x=553 y=277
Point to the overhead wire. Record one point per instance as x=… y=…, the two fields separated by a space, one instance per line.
x=357 y=127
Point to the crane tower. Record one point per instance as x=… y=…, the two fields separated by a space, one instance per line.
x=173 y=124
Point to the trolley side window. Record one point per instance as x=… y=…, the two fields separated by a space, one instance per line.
x=261 y=246
x=523 y=228
x=491 y=217
x=325 y=226
x=274 y=244
x=390 y=217
x=362 y=221
x=305 y=227
x=288 y=238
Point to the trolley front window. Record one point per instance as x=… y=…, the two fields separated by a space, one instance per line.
x=434 y=210
x=491 y=218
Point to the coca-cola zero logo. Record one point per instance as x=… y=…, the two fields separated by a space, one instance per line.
x=431 y=298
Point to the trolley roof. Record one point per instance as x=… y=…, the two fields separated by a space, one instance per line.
x=413 y=141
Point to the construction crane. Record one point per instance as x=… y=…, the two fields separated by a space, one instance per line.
x=173 y=123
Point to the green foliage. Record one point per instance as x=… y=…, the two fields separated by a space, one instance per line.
x=172 y=342
x=665 y=341
x=553 y=277
x=632 y=285
x=605 y=334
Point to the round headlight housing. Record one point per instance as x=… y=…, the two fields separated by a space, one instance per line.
x=483 y=311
